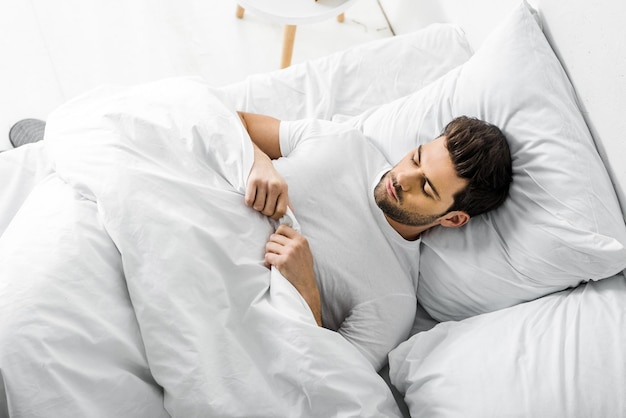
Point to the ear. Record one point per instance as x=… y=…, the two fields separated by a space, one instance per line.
x=454 y=219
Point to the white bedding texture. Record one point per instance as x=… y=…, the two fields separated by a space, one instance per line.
x=106 y=313
x=100 y=326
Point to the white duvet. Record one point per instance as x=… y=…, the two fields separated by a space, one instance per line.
x=152 y=298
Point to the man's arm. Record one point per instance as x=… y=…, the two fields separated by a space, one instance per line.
x=266 y=191
x=289 y=251
x=263 y=131
x=286 y=249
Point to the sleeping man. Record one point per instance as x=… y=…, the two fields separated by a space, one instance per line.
x=362 y=219
x=357 y=268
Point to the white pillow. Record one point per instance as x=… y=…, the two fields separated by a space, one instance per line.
x=561 y=225
x=352 y=81
x=558 y=356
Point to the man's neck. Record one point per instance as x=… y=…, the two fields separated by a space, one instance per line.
x=408 y=232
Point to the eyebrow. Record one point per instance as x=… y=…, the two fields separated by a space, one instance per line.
x=419 y=159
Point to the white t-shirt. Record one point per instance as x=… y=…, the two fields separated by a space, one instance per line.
x=366 y=272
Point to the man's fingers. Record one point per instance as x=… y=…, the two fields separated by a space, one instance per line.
x=269 y=206
x=274 y=250
x=259 y=200
x=278 y=212
x=271 y=202
x=276 y=201
x=273 y=247
x=286 y=231
x=250 y=194
x=280 y=237
x=281 y=206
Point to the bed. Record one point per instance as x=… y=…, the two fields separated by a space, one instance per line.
x=520 y=312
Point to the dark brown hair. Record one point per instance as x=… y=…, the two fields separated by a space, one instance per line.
x=480 y=153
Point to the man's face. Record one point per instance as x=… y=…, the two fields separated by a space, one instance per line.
x=421 y=187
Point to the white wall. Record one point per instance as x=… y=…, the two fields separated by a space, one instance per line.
x=409 y=15
x=588 y=38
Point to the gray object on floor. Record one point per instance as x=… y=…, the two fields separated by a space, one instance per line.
x=26 y=131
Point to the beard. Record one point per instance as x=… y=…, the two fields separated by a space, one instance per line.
x=393 y=210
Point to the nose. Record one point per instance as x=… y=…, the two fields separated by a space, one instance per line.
x=409 y=177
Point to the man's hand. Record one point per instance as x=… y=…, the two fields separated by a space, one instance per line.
x=289 y=252
x=266 y=191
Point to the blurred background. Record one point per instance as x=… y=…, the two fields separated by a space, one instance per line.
x=55 y=50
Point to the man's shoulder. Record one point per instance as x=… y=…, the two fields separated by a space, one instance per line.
x=332 y=141
x=320 y=128
x=341 y=134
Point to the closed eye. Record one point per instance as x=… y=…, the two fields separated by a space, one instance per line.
x=416 y=161
x=428 y=195
x=426 y=181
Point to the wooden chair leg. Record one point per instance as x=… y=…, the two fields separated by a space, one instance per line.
x=341 y=18
x=289 y=36
x=240 y=11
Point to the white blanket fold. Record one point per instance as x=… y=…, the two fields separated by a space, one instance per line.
x=69 y=341
x=166 y=165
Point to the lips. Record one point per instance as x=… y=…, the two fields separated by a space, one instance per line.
x=391 y=190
